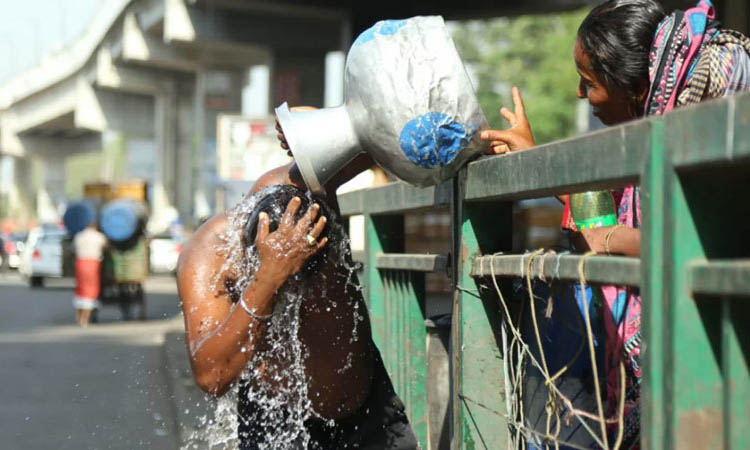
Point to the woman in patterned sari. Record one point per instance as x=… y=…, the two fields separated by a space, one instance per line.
x=635 y=61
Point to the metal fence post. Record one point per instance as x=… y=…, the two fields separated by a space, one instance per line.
x=383 y=233
x=396 y=304
x=478 y=390
x=656 y=323
x=705 y=375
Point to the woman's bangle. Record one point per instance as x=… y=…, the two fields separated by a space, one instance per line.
x=609 y=236
x=255 y=316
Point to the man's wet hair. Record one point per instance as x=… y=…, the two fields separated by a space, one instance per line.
x=274 y=203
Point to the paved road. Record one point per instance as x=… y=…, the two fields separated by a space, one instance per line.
x=63 y=387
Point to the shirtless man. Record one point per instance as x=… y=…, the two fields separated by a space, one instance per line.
x=224 y=335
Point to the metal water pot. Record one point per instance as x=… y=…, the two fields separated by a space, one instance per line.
x=408 y=103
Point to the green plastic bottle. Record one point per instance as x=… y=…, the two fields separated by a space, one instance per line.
x=593 y=209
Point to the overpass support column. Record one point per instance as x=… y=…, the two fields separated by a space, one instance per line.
x=185 y=151
x=51 y=193
x=16 y=197
x=22 y=192
x=216 y=92
x=163 y=189
x=201 y=206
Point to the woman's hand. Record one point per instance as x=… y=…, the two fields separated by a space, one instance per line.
x=593 y=239
x=518 y=136
x=284 y=252
x=622 y=240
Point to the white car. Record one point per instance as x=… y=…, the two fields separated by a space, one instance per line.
x=164 y=251
x=43 y=254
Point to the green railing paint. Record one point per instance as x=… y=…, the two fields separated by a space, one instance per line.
x=654 y=324
x=722 y=277
x=694 y=272
x=551 y=266
x=395 y=299
x=479 y=395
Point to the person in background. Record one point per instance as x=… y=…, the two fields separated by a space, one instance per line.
x=88 y=246
x=635 y=61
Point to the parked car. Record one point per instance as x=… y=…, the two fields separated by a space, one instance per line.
x=13 y=246
x=164 y=251
x=44 y=254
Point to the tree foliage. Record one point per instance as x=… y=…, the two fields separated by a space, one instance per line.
x=534 y=53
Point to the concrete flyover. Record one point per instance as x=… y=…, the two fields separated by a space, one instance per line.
x=140 y=92
x=142 y=88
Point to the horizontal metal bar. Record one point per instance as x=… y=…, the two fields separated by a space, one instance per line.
x=604 y=159
x=359 y=256
x=617 y=270
x=720 y=277
x=713 y=132
x=411 y=261
x=395 y=197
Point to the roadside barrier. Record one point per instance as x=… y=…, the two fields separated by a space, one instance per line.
x=693 y=168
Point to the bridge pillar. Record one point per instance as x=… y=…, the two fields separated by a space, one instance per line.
x=50 y=196
x=16 y=197
x=216 y=92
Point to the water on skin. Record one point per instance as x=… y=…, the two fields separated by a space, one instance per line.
x=282 y=398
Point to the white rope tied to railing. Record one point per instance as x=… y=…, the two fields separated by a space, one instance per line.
x=521 y=353
x=515 y=346
x=592 y=353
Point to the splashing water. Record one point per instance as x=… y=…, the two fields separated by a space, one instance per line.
x=275 y=379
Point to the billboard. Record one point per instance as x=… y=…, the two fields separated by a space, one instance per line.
x=246 y=148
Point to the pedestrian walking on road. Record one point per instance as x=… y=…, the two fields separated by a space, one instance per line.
x=89 y=248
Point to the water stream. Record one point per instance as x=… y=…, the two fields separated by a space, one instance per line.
x=275 y=379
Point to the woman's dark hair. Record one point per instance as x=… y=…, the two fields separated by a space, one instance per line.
x=274 y=204
x=617 y=37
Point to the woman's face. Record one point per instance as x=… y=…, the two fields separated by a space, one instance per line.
x=610 y=106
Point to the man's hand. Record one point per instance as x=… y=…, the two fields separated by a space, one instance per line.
x=284 y=252
x=518 y=136
x=280 y=133
x=359 y=164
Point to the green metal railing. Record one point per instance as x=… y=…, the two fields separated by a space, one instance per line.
x=693 y=167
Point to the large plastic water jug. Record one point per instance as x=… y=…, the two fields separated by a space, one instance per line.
x=409 y=103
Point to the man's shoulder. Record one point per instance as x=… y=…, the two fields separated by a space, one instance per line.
x=205 y=238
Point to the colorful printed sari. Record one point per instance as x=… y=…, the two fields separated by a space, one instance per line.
x=691 y=59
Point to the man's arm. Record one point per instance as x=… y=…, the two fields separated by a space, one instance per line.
x=216 y=330
x=222 y=337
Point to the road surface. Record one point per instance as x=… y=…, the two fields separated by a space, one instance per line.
x=63 y=387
